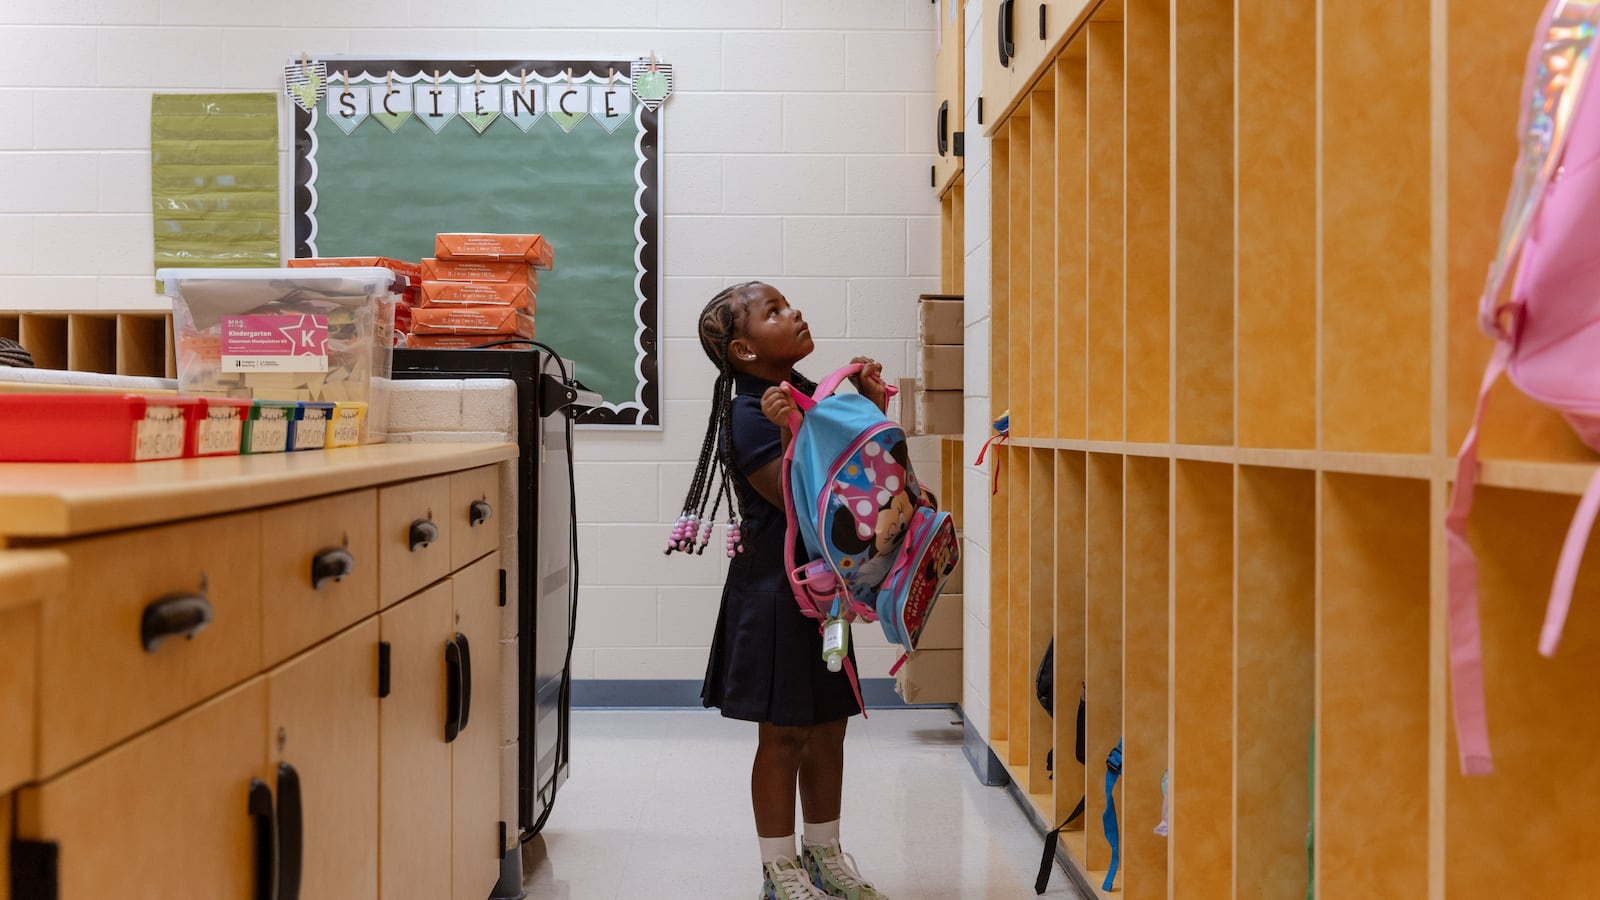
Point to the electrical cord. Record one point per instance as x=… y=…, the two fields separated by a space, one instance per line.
x=565 y=697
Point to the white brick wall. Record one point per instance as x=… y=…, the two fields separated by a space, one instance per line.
x=796 y=150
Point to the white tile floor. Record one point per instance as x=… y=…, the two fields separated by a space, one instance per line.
x=658 y=806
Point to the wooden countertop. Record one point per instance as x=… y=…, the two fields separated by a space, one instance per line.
x=53 y=500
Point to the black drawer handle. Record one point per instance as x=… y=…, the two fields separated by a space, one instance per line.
x=1042 y=29
x=479 y=513
x=1005 y=31
x=466 y=681
x=331 y=563
x=452 y=690
x=944 y=128
x=174 y=614
x=423 y=533
x=266 y=840
x=291 y=832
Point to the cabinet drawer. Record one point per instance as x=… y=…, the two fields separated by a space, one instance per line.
x=414 y=524
x=475 y=514
x=100 y=678
x=164 y=815
x=319 y=570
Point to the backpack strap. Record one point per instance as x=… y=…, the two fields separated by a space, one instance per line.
x=813 y=583
x=1051 y=839
x=1555 y=615
x=1109 y=820
x=1466 y=647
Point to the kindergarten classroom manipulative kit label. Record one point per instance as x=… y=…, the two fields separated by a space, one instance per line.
x=275 y=344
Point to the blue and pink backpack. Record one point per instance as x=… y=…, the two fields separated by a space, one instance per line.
x=880 y=548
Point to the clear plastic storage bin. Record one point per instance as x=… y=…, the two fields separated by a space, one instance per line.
x=324 y=335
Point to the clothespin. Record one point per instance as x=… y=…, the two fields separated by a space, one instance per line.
x=652 y=60
x=611 y=77
x=305 y=64
x=569 y=79
x=477 y=79
x=346 y=92
x=435 y=78
x=388 y=82
x=524 y=84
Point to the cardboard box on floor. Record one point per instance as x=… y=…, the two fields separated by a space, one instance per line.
x=930 y=676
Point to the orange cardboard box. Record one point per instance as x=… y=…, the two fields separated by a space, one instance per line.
x=476 y=293
x=408 y=269
x=530 y=247
x=498 y=271
x=471 y=320
x=463 y=341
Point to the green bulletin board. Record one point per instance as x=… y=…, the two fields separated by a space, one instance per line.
x=574 y=157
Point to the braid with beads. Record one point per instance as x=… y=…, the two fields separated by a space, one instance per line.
x=713 y=474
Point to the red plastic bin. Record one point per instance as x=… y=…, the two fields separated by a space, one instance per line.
x=90 y=427
x=215 y=426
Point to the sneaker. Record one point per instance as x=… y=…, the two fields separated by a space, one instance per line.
x=787 y=880
x=834 y=872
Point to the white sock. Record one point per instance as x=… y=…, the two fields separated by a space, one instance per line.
x=820 y=834
x=777 y=849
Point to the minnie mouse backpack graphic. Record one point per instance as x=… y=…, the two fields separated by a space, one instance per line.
x=880 y=548
x=1547 y=331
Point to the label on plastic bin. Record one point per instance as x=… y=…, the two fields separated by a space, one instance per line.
x=159 y=435
x=275 y=343
x=346 y=429
x=219 y=433
x=270 y=431
x=311 y=430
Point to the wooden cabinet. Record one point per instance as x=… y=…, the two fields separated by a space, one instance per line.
x=949 y=97
x=319 y=570
x=322 y=724
x=167 y=814
x=152 y=621
x=220 y=702
x=414 y=531
x=414 y=776
x=475 y=752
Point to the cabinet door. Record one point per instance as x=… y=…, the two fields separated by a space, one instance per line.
x=164 y=815
x=947 y=99
x=323 y=722
x=997 y=71
x=475 y=766
x=414 y=768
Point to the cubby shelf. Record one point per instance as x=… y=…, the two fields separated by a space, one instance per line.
x=108 y=342
x=1235 y=259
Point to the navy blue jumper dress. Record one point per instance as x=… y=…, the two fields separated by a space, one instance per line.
x=766 y=657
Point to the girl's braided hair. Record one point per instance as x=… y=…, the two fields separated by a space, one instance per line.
x=714 y=479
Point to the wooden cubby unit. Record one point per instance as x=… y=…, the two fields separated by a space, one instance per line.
x=110 y=342
x=1242 y=256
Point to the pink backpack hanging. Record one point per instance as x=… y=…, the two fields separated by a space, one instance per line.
x=1547 y=332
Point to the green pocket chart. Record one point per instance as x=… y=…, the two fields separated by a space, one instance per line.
x=399 y=150
x=214 y=179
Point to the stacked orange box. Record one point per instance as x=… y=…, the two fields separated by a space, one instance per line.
x=481 y=289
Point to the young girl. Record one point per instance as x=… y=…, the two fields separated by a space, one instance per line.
x=766 y=661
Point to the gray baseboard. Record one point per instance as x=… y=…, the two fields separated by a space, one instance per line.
x=985 y=764
x=646 y=693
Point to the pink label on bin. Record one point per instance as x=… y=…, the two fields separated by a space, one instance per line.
x=275 y=343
